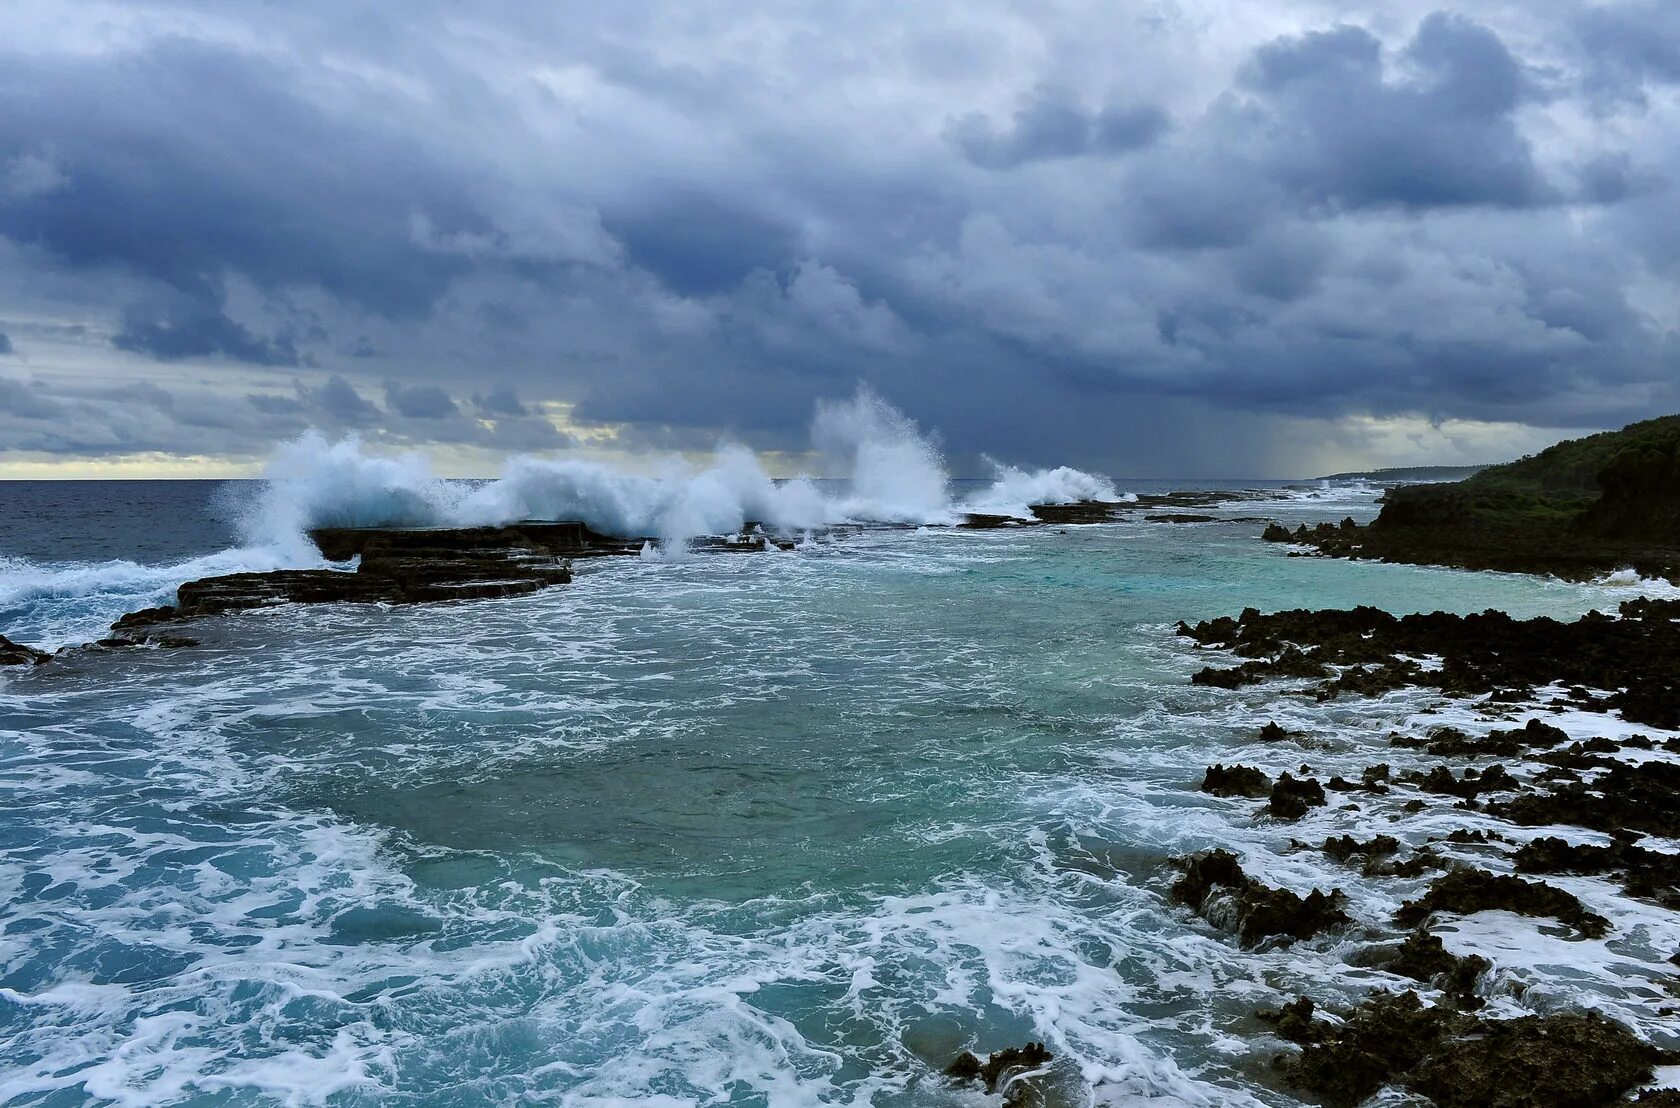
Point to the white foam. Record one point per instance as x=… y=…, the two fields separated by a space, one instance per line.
x=892 y=473
x=1013 y=490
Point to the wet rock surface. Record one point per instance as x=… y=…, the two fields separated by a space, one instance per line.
x=16 y=654
x=1466 y=891
x=1291 y=797
x=1236 y=781
x=1636 y=654
x=1216 y=888
x=1000 y=1070
x=1568 y=1060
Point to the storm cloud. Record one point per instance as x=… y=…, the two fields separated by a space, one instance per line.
x=1056 y=236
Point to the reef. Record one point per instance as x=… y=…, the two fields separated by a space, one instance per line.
x=1562 y=1060
x=1236 y=781
x=1466 y=891
x=1216 y=888
x=1637 y=655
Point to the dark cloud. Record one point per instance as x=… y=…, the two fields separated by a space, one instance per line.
x=5 y=343
x=419 y=401
x=1033 y=229
x=170 y=324
x=1051 y=123
x=338 y=400
x=1434 y=130
x=698 y=244
x=502 y=400
x=27 y=401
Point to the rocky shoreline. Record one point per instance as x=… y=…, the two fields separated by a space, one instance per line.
x=1577 y=510
x=421 y=565
x=1537 y=802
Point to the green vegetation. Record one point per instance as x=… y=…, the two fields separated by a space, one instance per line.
x=1570 y=470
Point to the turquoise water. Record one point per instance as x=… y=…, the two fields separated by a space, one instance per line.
x=773 y=829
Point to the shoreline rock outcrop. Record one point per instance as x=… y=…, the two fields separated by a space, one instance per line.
x=1578 y=510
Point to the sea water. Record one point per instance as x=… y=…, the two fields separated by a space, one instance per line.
x=780 y=829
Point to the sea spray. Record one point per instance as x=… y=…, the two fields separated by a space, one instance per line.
x=1013 y=491
x=889 y=471
x=311 y=482
x=896 y=472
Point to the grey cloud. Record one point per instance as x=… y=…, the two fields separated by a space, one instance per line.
x=1630 y=45
x=337 y=399
x=502 y=400
x=419 y=401
x=1050 y=124
x=5 y=343
x=1353 y=133
x=1383 y=218
x=172 y=324
x=27 y=400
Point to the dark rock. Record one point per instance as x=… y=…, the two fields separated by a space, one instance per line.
x=1000 y=1065
x=1235 y=781
x=1277 y=532
x=1641 y=797
x=1216 y=887
x=16 y=654
x=1565 y=1060
x=1346 y=846
x=1637 y=654
x=1293 y=1021
x=1467 y=891
x=1423 y=958
x=1272 y=733
x=1650 y=874
x=1377 y=1043
x=1291 y=797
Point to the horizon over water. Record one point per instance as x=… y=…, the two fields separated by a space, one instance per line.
x=776 y=829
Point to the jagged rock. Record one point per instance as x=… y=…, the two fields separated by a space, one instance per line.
x=1640 y=797
x=1236 y=781
x=1637 y=654
x=1000 y=1066
x=1645 y=873
x=16 y=654
x=1565 y=1060
x=1277 y=532
x=1423 y=958
x=1472 y=890
x=1344 y=847
x=1215 y=886
x=1272 y=733
x=1291 y=797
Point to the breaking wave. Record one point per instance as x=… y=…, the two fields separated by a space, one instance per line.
x=880 y=468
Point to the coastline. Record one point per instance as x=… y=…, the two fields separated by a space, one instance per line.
x=1310 y=777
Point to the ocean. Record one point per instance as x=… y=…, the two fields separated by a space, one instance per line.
x=780 y=829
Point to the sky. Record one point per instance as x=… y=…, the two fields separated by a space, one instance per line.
x=1198 y=238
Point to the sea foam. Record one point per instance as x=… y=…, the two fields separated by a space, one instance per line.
x=889 y=471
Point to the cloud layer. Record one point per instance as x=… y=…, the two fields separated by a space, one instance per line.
x=1165 y=239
